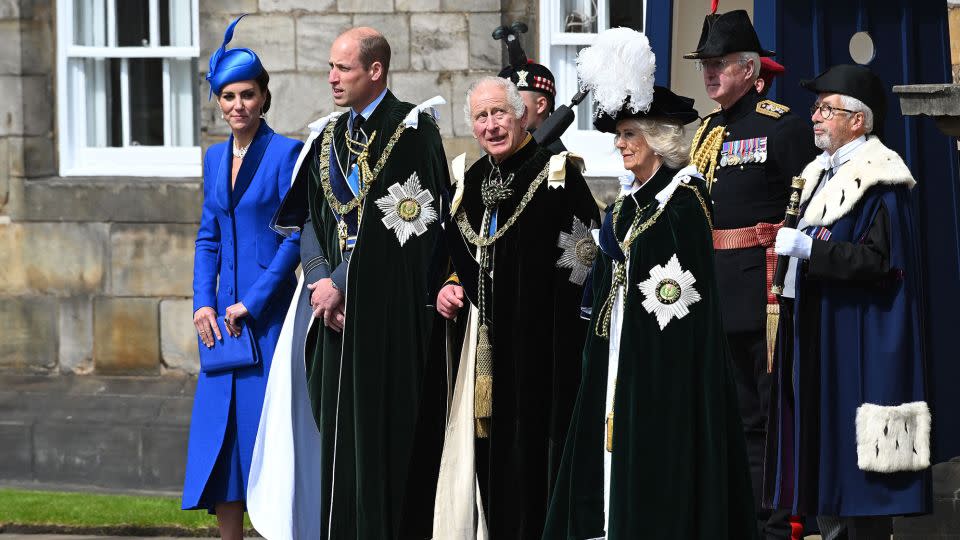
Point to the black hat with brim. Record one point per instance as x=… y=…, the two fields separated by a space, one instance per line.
x=727 y=33
x=854 y=81
x=666 y=106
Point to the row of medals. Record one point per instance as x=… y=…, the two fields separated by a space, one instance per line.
x=744 y=151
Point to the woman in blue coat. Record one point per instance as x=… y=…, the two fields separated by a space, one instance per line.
x=244 y=273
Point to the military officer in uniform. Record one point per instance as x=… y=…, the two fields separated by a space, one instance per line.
x=748 y=150
x=539 y=92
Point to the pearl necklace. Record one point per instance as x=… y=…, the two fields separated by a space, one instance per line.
x=239 y=151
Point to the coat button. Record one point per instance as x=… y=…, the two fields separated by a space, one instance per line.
x=230 y=265
x=229 y=290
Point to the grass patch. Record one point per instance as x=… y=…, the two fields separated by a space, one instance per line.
x=87 y=510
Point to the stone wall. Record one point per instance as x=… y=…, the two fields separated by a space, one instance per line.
x=95 y=273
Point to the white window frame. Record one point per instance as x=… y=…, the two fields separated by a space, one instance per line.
x=78 y=159
x=600 y=156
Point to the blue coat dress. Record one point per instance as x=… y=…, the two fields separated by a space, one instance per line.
x=255 y=266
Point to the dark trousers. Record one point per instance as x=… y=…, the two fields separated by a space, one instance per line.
x=855 y=528
x=749 y=351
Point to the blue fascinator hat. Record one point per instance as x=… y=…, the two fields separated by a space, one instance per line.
x=231 y=66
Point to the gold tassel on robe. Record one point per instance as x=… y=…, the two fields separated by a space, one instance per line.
x=773 y=320
x=483 y=391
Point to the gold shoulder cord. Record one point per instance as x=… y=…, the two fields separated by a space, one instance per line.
x=367 y=176
x=704 y=156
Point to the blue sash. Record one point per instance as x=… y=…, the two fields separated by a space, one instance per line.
x=345 y=189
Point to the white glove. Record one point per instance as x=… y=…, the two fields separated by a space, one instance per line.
x=793 y=243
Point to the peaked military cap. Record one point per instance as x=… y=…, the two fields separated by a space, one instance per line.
x=724 y=33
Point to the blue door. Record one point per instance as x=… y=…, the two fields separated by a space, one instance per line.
x=911 y=41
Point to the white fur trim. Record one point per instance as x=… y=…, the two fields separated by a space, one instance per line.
x=893 y=438
x=870 y=165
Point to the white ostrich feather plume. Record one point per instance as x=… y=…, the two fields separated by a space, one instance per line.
x=619 y=64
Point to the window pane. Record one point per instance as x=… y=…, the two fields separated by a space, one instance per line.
x=184 y=128
x=626 y=13
x=176 y=23
x=146 y=101
x=133 y=23
x=578 y=16
x=89 y=23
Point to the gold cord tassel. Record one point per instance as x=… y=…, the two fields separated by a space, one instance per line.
x=483 y=390
x=773 y=321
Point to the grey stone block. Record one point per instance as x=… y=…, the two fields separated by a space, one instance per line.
x=178 y=336
x=418 y=5
x=15 y=153
x=87 y=453
x=485 y=52
x=227 y=6
x=365 y=6
x=164 y=457
x=151 y=260
x=297 y=5
x=5 y=160
x=10 y=52
x=396 y=28
x=438 y=42
x=272 y=36
x=315 y=35
x=70 y=258
x=417 y=87
x=37 y=47
x=9 y=9
x=39 y=156
x=142 y=200
x=28 y=335
x=37 y=109
x=301 y=99
x=16 y=440
x=176 y=412
x=126 y=336
x=76 y=335
x=470 y=6
x=11 y=108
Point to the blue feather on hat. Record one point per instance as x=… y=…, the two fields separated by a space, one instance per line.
x=231 y=66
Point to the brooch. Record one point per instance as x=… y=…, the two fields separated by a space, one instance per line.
x=669 y=292
x=579 y=250
x=407 y=209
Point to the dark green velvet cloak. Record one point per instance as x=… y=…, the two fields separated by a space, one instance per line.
x=679 y=465
x=536 y=332
x=377 y=399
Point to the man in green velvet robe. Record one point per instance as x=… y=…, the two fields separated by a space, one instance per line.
x=373 y=178
x=519 y=241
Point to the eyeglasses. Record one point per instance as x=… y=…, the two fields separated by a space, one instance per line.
x=826 y=111
x=713 y=64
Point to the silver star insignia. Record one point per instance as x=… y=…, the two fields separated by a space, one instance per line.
x=579 y=250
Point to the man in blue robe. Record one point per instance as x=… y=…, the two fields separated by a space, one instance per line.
x=850 y=427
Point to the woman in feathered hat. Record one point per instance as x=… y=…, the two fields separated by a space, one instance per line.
x=655 y=448
x=243 y=280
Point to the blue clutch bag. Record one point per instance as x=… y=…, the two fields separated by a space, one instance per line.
x=230 y=352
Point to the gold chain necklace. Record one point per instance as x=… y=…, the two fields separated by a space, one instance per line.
x=367 y=177
x=474 y=238
x=602 y=328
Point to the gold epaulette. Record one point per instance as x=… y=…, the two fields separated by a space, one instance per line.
x=772 y=108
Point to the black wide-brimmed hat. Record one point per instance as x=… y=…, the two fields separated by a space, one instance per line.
x=724 y=33
x=854 y=81
x=533 y=77
x=666 y=106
